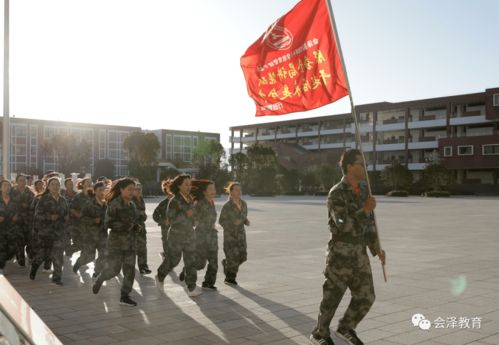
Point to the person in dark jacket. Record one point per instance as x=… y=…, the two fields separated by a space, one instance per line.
x=10 y=234
x=159 y=215
x=138 y=199
x=23 y=196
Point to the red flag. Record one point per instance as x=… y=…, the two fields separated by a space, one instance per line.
x=295 y=65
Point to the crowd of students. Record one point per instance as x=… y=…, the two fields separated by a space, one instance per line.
x=41 y=221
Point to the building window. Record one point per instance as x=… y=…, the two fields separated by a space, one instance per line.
x=448 y=151
x=465 y=150
x=490 y=149
x=496 y=100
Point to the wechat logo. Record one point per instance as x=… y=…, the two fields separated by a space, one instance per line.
x=419 y=320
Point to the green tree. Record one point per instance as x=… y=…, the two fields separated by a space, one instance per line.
x=239 y=163
x=70 y=155
x=262 y=170
x=329 y=175
x=289 y=181
x=143 y=149
x=209 y=158
x=436 y=177
x=397 y=176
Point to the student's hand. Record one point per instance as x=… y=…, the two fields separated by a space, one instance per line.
x=247 y=222
x=382 y=256
x=15 y=218
x=189 y=213
x=97 y=221
x=54 y=217
x=237 y=222
x=2 y=219
x=370 y=205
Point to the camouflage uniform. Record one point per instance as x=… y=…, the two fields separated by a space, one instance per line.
x=347 y=263
x=23 y=199
x=235 y=247
x=205 y=216
x=181 y=240
x=142 y=234
x=34 y=233
x=10 y=233
x=75 y=227
x=67 y=228
x=94 y=235
x=159 y=217
x=122 y=219
x=50 y=233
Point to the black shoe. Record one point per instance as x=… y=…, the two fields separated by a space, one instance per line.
x=128 y=301
x=145 y=271
x=95 y=275
x=97 y=285
x=182 y=276
x=76 y=267
x=316 y=340
x=349 y=335
x=57 y=282
x=230 y=281
x=22 y=262
x=32 y=273
x=209 y=286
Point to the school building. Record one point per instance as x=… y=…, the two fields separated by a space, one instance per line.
x=461 y=132
x=106 y=141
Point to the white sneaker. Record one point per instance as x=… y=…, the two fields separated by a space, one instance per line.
x=195 y=292
x=46 y=271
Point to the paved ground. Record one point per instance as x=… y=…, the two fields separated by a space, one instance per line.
x=442 y=262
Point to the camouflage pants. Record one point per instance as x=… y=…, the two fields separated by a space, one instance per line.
x=235 y=249
x=24 y=241
x=164 y=237
x=50 y=247
x=142 y=248
x=347 y=267
x=119 y=259
x=75 y=231
x=180 y=245
x=8 y=246
x=207 y=252
x=94 y=239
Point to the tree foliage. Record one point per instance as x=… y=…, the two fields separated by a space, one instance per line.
x=71 y=155
x=397 y=176
x=143 y=150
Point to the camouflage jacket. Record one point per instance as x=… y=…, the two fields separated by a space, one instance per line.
x=93 y=211
x=141 y=209
x=8 y=212
x=205 y=215
x=24 y=199
x=46 y=208
x=77 y=204
x=346 y=217
x=230 y=213
x=177 y=216
x=159 y=214
x=121 y=217
x=69 y=197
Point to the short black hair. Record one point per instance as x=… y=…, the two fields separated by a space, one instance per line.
x=347 y=158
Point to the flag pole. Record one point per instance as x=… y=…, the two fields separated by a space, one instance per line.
x=354 y=114
x=6 y=122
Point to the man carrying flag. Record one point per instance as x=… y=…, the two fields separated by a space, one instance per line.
x=296 y=65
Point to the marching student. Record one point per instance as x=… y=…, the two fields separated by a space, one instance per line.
x=160 y=217
x=94 y=235
x=50 y=215
x=24 y=197
x=122 y=220
x=138 y=199
x=181 y=236
x=74 y=226
x=233 y=218
x=10 y=235
x=205 y=216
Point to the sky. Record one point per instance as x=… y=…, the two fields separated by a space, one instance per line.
x=175 y=64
